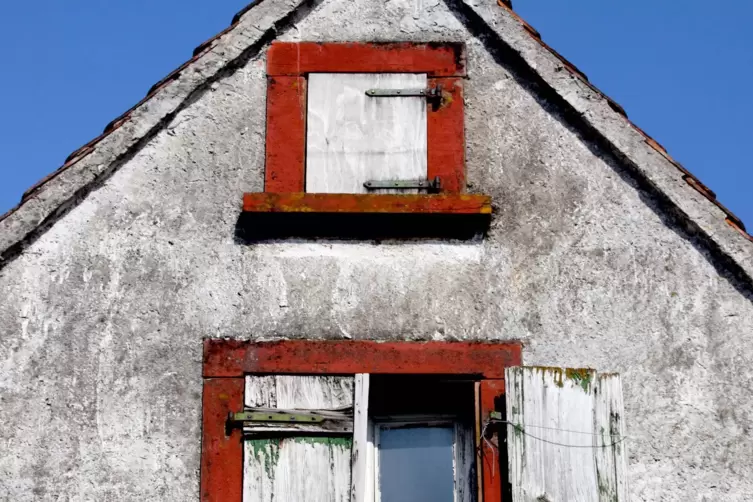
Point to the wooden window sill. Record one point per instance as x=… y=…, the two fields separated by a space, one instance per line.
x=363 y=216
x=366 y=203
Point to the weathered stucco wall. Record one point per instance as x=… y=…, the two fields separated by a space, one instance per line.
x=101 y=319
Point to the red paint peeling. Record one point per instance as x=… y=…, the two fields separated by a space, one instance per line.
x=286 y=135
x=230 y=358
x=221 y=455
x=491 y=395
x=445 y=128
x=299 y=202
x=286 y=110
x=300 y=58
x=226 y=362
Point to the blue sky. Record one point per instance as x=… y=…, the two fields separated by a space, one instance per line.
x=682 y=70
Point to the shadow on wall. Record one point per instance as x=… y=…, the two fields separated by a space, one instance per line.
x=258 y=227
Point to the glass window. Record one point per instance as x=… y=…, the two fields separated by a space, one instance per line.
x=416 y=463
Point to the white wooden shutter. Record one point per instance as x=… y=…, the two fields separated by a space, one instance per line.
x=353 y=138
x=565 y=435
x=362 y=474
x=295 y=466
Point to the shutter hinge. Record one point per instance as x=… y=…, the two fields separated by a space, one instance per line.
x=432 y=94
x=259 y=416
x=431 y=185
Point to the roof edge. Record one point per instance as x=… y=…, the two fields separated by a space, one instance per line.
x=259 y=22
x=687 y=198
x=43 y=204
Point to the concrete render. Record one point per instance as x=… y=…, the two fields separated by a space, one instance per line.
x=102 y=316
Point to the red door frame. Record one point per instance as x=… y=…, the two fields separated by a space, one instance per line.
x=227 y=362
x=288 y=64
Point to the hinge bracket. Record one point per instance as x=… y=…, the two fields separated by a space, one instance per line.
x=432 y=94
x=432 y=185
x=270 y=416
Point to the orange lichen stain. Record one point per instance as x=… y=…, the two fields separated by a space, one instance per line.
x=298 y=202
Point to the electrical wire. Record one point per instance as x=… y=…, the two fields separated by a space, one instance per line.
x=522 y=430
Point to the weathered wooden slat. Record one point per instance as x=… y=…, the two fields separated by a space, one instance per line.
x=465 y=482
x=611 y=462
x=565 y=435
x=297 y=202
x=353 y=138
x=362 y=474
x=302 y=392
x=311 y=468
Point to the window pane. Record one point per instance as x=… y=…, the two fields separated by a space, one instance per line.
x=416 y=464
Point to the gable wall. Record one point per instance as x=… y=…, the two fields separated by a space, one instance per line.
x=103 y=316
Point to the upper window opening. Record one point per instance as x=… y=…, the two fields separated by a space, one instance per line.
x=356 y=128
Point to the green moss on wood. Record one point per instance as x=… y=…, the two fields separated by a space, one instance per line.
x=342 y=442
x=266 y=452
x=581 y=376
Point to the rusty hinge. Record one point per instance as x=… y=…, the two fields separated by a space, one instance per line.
x=431 y=185
x=270 y=416
x=432 y=94
x=273 y=416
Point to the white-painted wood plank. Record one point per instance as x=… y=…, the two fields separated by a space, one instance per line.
x=611 y=462
x=560 y=443
x=299 y=392
x=362 y=472
x=311 y=469
x=293 y=468
x=465 y=458
x=353 y=138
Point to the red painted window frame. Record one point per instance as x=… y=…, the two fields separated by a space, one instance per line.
x=227 y=362
x=288 y=64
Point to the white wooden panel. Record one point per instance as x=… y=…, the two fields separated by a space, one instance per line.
x=565 y=435
x=362 y=474
x=311 y=469
x=353 y=138
x=304 y=392
x=611 y=463
x=297 y=468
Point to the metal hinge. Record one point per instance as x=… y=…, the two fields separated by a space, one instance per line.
x=432 y=185
x=432 y=94
x=266 y=416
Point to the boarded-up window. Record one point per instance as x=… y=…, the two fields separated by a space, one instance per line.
x=325 y=134
x=353 y=138
x=295 y=462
